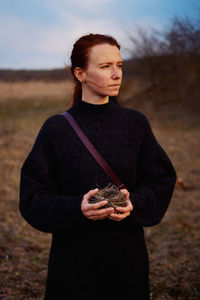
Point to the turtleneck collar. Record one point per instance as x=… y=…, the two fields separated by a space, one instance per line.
x=89 y=108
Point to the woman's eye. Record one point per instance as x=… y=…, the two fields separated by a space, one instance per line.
x=107 y=66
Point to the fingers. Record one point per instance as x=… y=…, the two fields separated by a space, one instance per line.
x=125 y=212
x=126 y=193
x=127 y=208
x=100 y=214
x=85 y=202
x=95 y=206
x=99 y=204
x=89 y=195
x=118 y=217
x=92 y=211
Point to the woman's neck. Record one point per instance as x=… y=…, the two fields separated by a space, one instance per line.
x=94 y=99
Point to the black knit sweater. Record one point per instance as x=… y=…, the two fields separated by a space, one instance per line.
x=89 y=258
x=59 y=169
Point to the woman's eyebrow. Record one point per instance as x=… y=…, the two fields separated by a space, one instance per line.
x=110 y=62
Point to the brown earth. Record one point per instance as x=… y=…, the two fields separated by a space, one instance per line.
x=174 y=244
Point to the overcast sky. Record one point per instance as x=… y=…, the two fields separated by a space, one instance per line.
x=37 y=34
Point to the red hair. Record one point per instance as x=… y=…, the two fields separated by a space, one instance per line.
x=80 y=55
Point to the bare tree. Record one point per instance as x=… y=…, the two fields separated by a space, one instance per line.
x=183 y=38
x=147 y=46
x=170 y=59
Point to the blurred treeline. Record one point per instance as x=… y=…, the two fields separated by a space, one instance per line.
x=7 y=75
x=169 y=64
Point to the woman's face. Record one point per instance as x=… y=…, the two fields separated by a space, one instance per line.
x=103 y=75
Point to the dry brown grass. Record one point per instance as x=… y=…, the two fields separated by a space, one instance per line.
x=174 y=245
x=33 y=89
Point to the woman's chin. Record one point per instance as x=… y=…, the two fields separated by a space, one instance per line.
x=114 y=93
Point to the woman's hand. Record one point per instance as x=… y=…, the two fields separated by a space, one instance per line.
x=91 y=211
x=125 y=211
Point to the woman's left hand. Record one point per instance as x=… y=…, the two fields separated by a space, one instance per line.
x=124 y=211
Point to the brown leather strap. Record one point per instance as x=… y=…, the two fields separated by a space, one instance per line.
x=93 y=150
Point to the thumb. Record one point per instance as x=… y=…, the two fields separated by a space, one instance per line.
x=90 y=194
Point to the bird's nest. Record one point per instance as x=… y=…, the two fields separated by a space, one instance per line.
x=112 y=194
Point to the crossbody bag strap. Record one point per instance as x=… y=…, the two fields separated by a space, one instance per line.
x=105 y=166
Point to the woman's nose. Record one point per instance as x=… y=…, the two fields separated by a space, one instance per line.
x=116 y=73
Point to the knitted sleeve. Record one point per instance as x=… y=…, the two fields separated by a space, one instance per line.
x=155 y=182
x=40 y=204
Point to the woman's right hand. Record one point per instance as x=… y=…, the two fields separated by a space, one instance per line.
x=92 y=211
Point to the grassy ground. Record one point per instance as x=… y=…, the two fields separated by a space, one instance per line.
x=174 y=244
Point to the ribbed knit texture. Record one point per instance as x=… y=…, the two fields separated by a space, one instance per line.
x=59 y=170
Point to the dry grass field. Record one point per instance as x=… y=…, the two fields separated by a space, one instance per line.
x=174 y=244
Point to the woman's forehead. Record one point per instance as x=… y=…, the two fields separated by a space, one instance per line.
x=104 y=53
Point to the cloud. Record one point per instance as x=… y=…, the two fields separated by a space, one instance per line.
x=33 y=43
x=20 y=44
x=93 y=1
x=91 y=4
x=79 y=6
x=32 y=46
x=59 y=40
x=19 y=35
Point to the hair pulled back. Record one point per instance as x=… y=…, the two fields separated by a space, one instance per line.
x=80 y=55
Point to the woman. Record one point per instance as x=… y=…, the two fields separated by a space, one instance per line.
x=96 y=253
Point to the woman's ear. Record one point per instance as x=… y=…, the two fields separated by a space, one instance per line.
x=79 y=74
